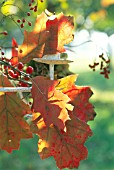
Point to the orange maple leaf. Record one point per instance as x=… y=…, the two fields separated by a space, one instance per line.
x=47 y=37
x=13 y=127
x=51 y=103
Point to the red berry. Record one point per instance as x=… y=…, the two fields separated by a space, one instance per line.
x=15 y=76
x=22 y=25
x=32 y=1
x=20 y=51
x=29 y=70
x=23 y=20
x=31 y=8
x=28 y=13
x=11 y=73
x=20 y=66
x=30 y=103
x=29 y=4
x=5 y=67
x=2 y=53
x=22 y=84
x=26 y=78
x=35 y=8
x=18 y=20
x=5 y=33
x=29 y=23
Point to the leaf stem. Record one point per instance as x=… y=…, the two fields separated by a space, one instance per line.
x=51 y=71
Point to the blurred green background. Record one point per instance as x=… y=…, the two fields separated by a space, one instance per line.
x=89 y=15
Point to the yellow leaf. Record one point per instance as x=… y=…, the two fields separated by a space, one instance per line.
x=8 y=8
x=106 y=3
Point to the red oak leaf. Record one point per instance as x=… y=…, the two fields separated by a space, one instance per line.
x=13 y=127
x=48 y=37
x=79 y=96
x=51 y=103
x=66 y=147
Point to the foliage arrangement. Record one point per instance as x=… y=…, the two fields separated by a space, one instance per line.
x=56 y=110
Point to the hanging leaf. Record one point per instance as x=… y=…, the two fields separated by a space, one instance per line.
x=14 y=59
x=51 y=103
x=48 y=37
x=66 y=147
x=13 y=127
x=79 y=96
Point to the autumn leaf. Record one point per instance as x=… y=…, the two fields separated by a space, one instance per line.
x=13 y=127
x=79 y=96
x=79 y=99
x=66 y=83
x=59 y=33
x=106 y=3
x=66 y=147
x=48 y=37
x=14 y=59
x=34 y=41
x=51 y=103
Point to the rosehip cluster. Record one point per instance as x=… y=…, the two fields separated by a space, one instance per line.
x=104 y=66
x=32 y=7
x=18 y=72
x=23 y=21
x=29 y=70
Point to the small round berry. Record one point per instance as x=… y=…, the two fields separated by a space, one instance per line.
x=18 y=20
x=15 y=76
x=29 y=4
x=2 y=53
x=26 y=78
x=20 y=66
x=29 y=70
x=22 y=84
x=32 y=1
x=28 y=13
x=22 y=25
x=5 y=67
x=11 y=73
x=5 y=33
x=23 y=20
x=29 y=23
x=31 y=8
x=20 y=51
x=35 y=8
x=30 y=103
